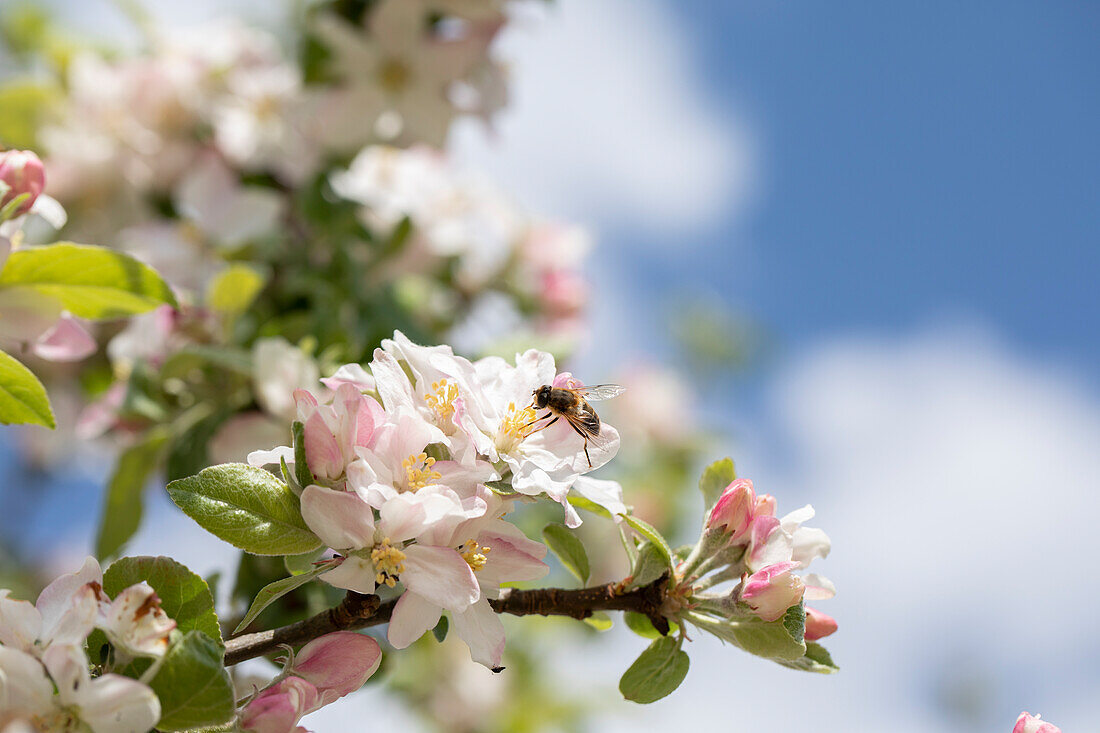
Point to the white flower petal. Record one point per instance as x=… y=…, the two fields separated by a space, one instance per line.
x=440 y=575
x=340 y=518
x=481 y=629
x=24 y=687
x=20 y=622
x=116 y=704
x=413 y=615
x=818 y=588
x=354 y=573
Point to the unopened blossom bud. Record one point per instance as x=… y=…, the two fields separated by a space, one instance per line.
x=337 y=663
x=733 y=512
x=135 y=622
x=279 y=708
x=818 y=625
x=769 y=592
x=23 y=172
x=765 y=506
x=1028 y=723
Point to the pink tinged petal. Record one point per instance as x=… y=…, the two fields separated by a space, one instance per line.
x=412 y=617
x=322 y=451
x=305 y=403
x=1028 y=723
x=765 y=505
x=510 y=559
x=60 y=597
x=337 y=663
x=771 y=591
x=481 y=629
x=135 y=622
x=818 y=588
x=67 y=340
x=340 y=518
x=440 y=575
x=354 y=573
x=350 y=374
x=392 y=384
x=278 y=708
x=565 y=380
x=818 y=625
x=769 y=544
x=116 y=704
x=371 y=417
x=733 y=512
x=20 y=622
x=24 y=687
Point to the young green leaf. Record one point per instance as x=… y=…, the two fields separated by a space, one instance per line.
x=273 y=591
x=780 y=639
x=23 y=399
x=600 y=621
x=656 y=673
x=588 y=505
x=441 y=628
x=193 y=686
x=568 y=549
x=123 y=503
x=91 y=282
x=247 y=507
x=301 y=466
x=649 y=564
x=816 y=660
x=716 y=477
x=184 y=595
x=645 y=529
x=233 y=289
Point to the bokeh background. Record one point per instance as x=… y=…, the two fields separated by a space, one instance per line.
x=869 y=234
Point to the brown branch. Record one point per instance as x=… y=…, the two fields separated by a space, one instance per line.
x=358 y=611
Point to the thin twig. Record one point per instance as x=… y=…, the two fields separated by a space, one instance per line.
x=358 y=611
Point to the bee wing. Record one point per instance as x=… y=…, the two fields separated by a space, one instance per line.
x=600 y=391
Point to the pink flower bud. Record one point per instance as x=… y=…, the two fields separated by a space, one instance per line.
x=278 y=708
x=765 y=505
x=769 y=592
x=818 y=625
x=733 y=512
x=1028 y=723
x=337 y=663
x=24 y=173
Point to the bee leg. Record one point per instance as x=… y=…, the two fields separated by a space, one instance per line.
x=542 y=428
x=581 y=433
x=548 y=414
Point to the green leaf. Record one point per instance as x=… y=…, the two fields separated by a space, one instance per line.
x=184 y=595
x=273 y=591
x=640 y=624
x=193 y=686
x=233 y=289
x=441 y=628
x=656 y=673
x=600 y=621
x=301 y=466
x=649 y=564
x=650 y=533
x=122 y=507
x=779 y=639
x=91 y=282
x=716 y=477
x=817 y=660
x=23 y=399
x=588 y=505
x=568 y=549
x=247 y=507
x=298 y=564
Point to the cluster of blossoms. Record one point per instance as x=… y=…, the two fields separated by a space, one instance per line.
x=27 y=318
x=45 y=682
x=743 y=540
x=402 y=460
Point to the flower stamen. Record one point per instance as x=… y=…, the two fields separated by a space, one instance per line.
x=418 y=471
x=473 y=554
x=515 y=427
x=388 y=561
x=442 y=398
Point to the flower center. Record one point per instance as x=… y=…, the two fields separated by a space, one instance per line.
x=388 y=561
x=514 y=428
x=442 y=400
x=473 y=554
x=393 y=75
x=418 y=471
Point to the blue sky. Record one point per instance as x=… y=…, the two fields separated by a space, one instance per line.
x=905 y=196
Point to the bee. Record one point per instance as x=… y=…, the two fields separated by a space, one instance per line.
x=572 y=404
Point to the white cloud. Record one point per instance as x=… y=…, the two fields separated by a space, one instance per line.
x=608 y=122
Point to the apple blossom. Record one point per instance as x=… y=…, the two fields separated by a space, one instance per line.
x=1028 y=723
x=769 y=592
x=732 y=514
x=135 y=623
x=818 y=625
x=23 y=173
x=278 y=708
x=337 y=664
x=65 y=613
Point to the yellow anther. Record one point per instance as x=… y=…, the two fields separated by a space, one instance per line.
x=474 y=555
x=388 y=561
x=418 y=471
x=442 y=398
x=515 y=427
